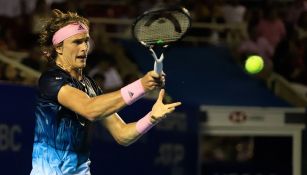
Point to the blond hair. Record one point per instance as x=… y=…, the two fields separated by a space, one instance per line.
x=57 y=20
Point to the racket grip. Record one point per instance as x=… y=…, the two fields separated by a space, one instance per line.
x=158 y=67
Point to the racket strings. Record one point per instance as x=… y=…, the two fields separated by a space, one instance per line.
x=165 y=28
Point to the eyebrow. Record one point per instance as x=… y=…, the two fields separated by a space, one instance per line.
x=81 y=39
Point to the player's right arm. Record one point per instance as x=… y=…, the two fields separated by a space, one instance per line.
x=104 y=105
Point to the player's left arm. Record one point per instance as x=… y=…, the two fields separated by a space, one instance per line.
x=127 y=133
x=124 y=133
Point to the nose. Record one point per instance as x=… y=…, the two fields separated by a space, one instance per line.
x=85 y=46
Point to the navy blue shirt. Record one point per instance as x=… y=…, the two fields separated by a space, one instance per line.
x=57 y=126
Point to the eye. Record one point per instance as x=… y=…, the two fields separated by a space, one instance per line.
x=78 y=42
x=81 y=41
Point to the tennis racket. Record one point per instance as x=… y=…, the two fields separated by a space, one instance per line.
x=157 y=28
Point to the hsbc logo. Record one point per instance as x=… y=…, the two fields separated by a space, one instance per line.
x=237 y=117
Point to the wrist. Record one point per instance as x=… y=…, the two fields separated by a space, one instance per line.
x=145 y=124
x=132 y=92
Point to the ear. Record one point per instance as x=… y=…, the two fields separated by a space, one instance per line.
x=59 y=49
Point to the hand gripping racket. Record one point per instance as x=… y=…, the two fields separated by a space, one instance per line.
x=160 y=27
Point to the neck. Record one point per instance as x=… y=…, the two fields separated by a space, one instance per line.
x=74 y=72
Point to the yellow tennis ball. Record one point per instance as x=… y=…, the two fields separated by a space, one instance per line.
x=254 y=64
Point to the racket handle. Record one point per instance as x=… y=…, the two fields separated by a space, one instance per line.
x=158 y=67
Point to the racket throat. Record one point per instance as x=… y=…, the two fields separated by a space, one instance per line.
x=158 y=67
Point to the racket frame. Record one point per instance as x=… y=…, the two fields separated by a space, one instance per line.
x=158 y=65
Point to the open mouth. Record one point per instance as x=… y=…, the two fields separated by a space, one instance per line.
x=81 y=57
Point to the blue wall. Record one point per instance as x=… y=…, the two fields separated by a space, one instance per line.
x=16 y=128
x=206 y=75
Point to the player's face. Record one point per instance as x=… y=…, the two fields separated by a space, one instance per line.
x=75 y=49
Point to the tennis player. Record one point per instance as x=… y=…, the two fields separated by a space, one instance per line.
x=69 y=101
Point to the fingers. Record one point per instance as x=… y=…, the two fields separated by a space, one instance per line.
x=170 y=110
x=173 y=105
x=152 y=80
x=160 y=80
x=153 y=74
x=160 y=83
x=160 y=110
x=163 y=115
x=155 y=119
x=161 y=95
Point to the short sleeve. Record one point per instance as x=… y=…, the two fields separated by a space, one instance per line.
x=50 y=84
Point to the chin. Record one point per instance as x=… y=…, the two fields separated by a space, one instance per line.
x=82 y=66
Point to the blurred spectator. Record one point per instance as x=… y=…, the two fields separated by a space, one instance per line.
x=294 y=11
x=71 y=5
x=42 y=10
x=55 y=1
x=34 y=59
x=104 y=45
x=201 y=13
x=209 y=12
x=18 y=28
x=126 y=66
x=4 y=44
x=144 y=5
x=217 y=11
x=129 y=78
x=233 y=12
x=227 y=148
x=9 y=41
x=21 y=31
x=301 y=27
x=105 y=71
x=217 y=17
x=1 y=72
x=14 y=8
x=11 y=74
x=271 y=26
x=256 y=45
x=290 y=59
